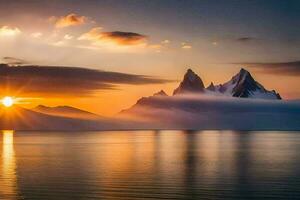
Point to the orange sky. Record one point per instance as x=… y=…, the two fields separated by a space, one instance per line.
x=149 y=39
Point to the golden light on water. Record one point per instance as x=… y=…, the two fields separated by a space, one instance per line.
x=8 y=173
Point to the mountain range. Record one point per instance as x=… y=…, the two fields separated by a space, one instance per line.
x=240 y=85
x=240 y=104
x=63 y=118
x=66 y=111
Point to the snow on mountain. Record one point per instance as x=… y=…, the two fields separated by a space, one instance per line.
x=225 y=106
x=243 y=85
x=191 y=83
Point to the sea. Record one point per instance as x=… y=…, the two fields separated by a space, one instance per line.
x=149 y=165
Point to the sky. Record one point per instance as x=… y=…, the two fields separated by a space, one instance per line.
x=117 y=51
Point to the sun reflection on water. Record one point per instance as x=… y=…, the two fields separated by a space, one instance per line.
x=8 y=175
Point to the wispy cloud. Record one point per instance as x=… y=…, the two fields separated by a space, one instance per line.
x=36 y=34
x=246 y=39
x=9 y=31
x=68 y=37
x=290 y=68
x=235 y=40
x=66 y=81
x=117 y=37
x=185 y=45
x=68 y=20
x=165 y=42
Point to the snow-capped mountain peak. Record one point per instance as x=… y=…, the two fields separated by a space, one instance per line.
x=191 y=83
x=243 y=85
x=241 y=76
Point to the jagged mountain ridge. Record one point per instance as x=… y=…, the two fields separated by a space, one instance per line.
x=241 y=85
x=191 y=83
x=236 y=110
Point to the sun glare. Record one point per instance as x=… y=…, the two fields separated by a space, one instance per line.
x=7 y=101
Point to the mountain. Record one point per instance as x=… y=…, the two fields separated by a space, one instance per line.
x=66 y=111
x=226 y=106
x=18 y=118
x=243 y=85
x=160 y=93
x=191 y=83
x=211 y=87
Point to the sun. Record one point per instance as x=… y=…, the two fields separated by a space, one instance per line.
x=8 y=101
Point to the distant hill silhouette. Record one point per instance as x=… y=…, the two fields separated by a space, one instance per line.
x=18 y=118
x=66 y=111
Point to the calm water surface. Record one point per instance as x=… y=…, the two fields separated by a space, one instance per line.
x=150 y=165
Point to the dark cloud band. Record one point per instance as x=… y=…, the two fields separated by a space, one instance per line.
x=73 y=81
x=291 y=68
x=127 y=38
x=246 y=39
x=117 y=37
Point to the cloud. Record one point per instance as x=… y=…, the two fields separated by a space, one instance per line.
x=93 y=34
x=68 y=20
x=8 y=31
x=196 y=112
x=68 y=37
x=234 y=40
x=65 y=81
x=157 y=47
x=14 y=61
x=124 y=38
x=165 y=41
x=246 y=39
x=37 y=34
x=59 y=43
x=184 y=45
x=291 y=68
x=215 y=43
x=116 y=37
